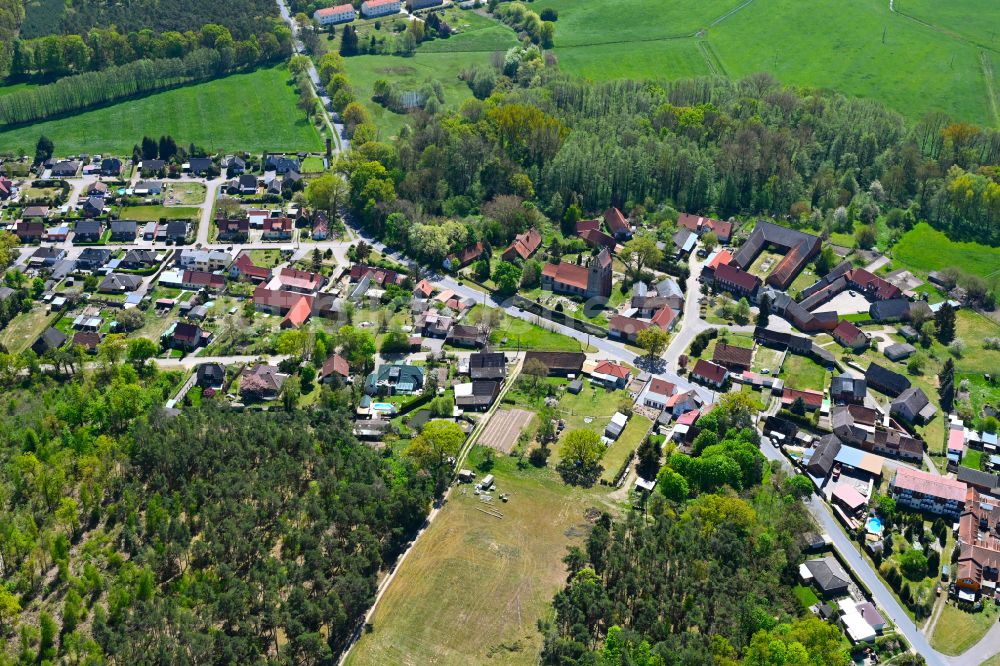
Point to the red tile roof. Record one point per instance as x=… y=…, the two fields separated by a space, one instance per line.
x=664 y=318
x=339 y=9
x=734 y=276
x=613 y=369
x=872 y=284
x=568 y=274
x=721 y=228
x=279 y=224
x=424 y=289
x=709 y=371
x=203 y=279
x=291 y=277
x=813 y=399
x=627 y=325
x=689 y=418
x=929 y=484
x=525 y=244
x=721 y=257
x=662 y=387
x=298 y=313
x=246 y=266
x=615 y=220
x=597 y=238
x=847 y=332
x=336 y=365
x=583 y=225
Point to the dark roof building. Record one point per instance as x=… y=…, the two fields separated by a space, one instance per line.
x=846 y=388
x=487 y=365
x=211 y=375
x=799 y=248
x=734 y=358
x=50 y=340
x=829 y=576
x=478 y=394
x=885 y=380
x=823 y=456
x=558 y=363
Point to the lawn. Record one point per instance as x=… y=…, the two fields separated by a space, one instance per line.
x=254 y=111
x=806 y=596
x=801 y=372
x=923 y=249
x=628 y=441
x=972 y=458
x=22 y=331
x=474 y=586
x=312 y=164
x=155 y=213
x=189 y=194
x=766 y=358
x=956 y=631
x=915 y=69
x=515 y=334
x=266 y=258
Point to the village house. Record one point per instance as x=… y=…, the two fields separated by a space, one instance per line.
x=847 y=389
x=211 y=375
x=476 y=395
x=29 y=232
x=523 y=246
x=87 y=231
x=899 y=351
x=119 y=283
x=913 y=405
x=204 y=260
x=811 y=399
x=261 y=382
x=886 y=381
x=335 y=367
x=559 y=364
x=298 y=313
x=617 y=224
x=124 y=231
x=487 y=365
x=138 y=259
x=395 y=379
x=282 y=164
x=657 y=393
x=462 y=335
x=597 y=239
x=195 y=280
x=626 y=328
x=735 y=358
x=92 y=258
x=88 y=340
x=701 y=225
x=183 y=336
x=464 y=257
x=233 y=230
x=850 y=336
x=736 y=281
x=610 y=375
x=278 y=229
x=47 y=256
x=51 y=339
x=709 y=373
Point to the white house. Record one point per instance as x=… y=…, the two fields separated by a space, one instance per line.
x=331 y=15
x=371 y=8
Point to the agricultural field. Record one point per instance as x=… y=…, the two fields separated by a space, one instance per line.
x=913 y=68
x=219 y=115
x=474 y=586
x=924 y=249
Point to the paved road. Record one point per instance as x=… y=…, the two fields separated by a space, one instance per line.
x=336 y=129
x=883 y=597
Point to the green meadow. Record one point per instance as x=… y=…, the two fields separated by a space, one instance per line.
x=254 y=111
x=925 y=249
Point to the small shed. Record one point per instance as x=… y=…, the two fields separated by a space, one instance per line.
x=575 y=386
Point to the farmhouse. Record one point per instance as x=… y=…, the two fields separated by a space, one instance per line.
x=732 y=357
x=736 y=281
x=799 y=248
x=626 y=328
x=464 y=257
x=657 y=393
x=850 y=336
x=700 y=225
x=523 y=246
x=823 y=456
x=332 y=15
x=912 y=405
x=617 y=224
x=558 y=363
x=811 y=399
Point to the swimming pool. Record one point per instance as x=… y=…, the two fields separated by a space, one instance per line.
x=383 y=407
x=874 y=525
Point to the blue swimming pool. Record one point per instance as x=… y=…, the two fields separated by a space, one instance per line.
x=383 y=407
x=874 y=525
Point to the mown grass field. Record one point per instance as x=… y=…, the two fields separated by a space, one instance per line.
x=916 y=69
x=155 y=213
x=630 y=439
x=474 y=586
x=254 y=111
x=924 y=249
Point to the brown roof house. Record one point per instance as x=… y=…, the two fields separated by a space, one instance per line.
x=523 y=246
x=734 y=358
x=261 y=382
x=335 y=367
x=850 y=336
x=558 y=363
x=709 y=373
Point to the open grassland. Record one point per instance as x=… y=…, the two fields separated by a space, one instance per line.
x=914 y=68
x=22 y=331
x=155 y=213
x=410 y=74
x=974 y=20
x=254 y=111
x=474 y=586
x=956 y=630
x=923 y=249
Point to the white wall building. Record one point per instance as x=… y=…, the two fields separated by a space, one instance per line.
x=371 y=8
x=338 y=14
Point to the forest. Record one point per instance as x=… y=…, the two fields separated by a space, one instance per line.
x=816 y=159
x=242 y=18
x=132 y=535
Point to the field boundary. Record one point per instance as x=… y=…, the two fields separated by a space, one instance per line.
x=712 y=58
x=987 y=63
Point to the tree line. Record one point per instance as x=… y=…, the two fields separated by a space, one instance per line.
x=242 y=17
x=81 y=91
x=815 y=159
x=11 y=16
x=61 y=55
